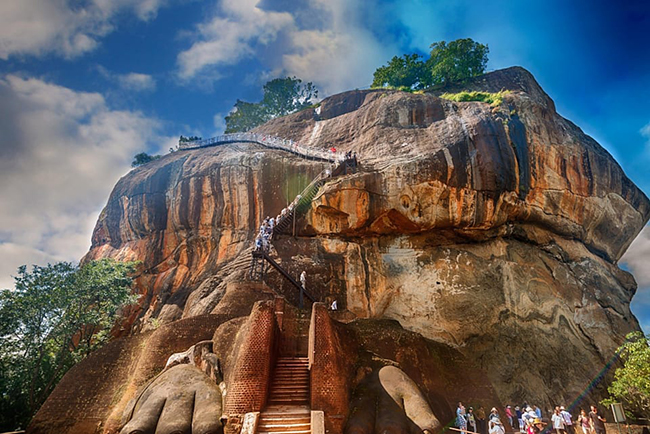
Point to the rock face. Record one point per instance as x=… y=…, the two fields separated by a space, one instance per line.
x=492 y=231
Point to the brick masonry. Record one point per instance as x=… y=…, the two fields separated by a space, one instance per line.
x=249 y=383
x=330 y=370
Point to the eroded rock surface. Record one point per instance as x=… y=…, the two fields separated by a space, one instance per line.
x=494 y=231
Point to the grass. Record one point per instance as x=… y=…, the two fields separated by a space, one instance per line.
x=494 y=99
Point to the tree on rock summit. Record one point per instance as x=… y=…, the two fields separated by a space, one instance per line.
x=282 y=96
x=448 y=63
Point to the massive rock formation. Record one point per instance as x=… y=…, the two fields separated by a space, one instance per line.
x=493 y=232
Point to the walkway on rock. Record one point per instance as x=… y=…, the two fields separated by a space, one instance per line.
x=288 y=216
x=265 y=140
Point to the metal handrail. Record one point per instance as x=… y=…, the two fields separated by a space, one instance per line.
x=261 y=139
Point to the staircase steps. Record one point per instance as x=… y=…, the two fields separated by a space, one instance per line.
x=287 y=410
x=290 y=383
x=285 y=420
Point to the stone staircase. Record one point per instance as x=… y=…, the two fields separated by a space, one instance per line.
x=288 y=408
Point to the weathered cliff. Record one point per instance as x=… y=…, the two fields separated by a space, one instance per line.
x=494 y=231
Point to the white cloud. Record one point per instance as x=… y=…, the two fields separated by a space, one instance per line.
x=137 y=82
x=229 y=37
x=63 y=151
x=637 y=258
x=331 y=48
x=132 y=82
x=66 y=27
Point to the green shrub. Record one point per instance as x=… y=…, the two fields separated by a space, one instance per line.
x=494 y=99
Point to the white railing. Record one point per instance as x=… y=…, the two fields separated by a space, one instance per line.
x=264 y=140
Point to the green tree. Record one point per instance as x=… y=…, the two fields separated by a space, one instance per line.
x=245 y=116
x=287 y=95
x=282 y=96
x=631 y=384
x=55 y=316
x=183 y=139
x=457 y=60
x=143 y=158
x=406 y=72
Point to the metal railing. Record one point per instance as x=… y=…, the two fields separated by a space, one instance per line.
x=264 y=140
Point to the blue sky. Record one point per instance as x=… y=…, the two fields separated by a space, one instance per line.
x=86 y=84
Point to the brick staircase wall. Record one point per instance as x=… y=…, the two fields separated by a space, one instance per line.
x=249 y=384
x=331 y=371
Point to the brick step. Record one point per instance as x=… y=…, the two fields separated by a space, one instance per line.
x=285 y=432
x=301 y=369
x=282 y=411
x=283 y=386
x=285 y=417
x=284 y=421
x=288 y=401
x=289 y=398
x=306 y=426
x=290 y=392
x=293 y=364
x=301 y=395
x=290 y=386
x=291 y=373
x=295 y=359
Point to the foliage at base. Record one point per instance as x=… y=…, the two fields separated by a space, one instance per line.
x=631 y=385
x=55 y=316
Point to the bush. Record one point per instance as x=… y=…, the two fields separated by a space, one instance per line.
x=447 y=63
x=143 y=158
x=494 y=99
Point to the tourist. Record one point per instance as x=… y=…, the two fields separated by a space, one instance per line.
x=303 y=279
x=558 y=421
x=538 y=411
x=584 y=422
x=596 y=421
x=537 y=426
x=480 y=419
x=471 y=422
x=494 y=414
x=568 y=423
x=520 y=422
x=461 y=422
x=334 y=306
x=528 y=417
x=509 y=415
x=496 y=427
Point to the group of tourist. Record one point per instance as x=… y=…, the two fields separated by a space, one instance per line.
x=528 y=420
x=263 y=238
x=592 y=423
x=467 y=420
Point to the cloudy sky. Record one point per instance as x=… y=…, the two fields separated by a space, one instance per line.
x=86 y=84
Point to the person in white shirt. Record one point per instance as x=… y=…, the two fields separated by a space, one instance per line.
x=558 y=421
